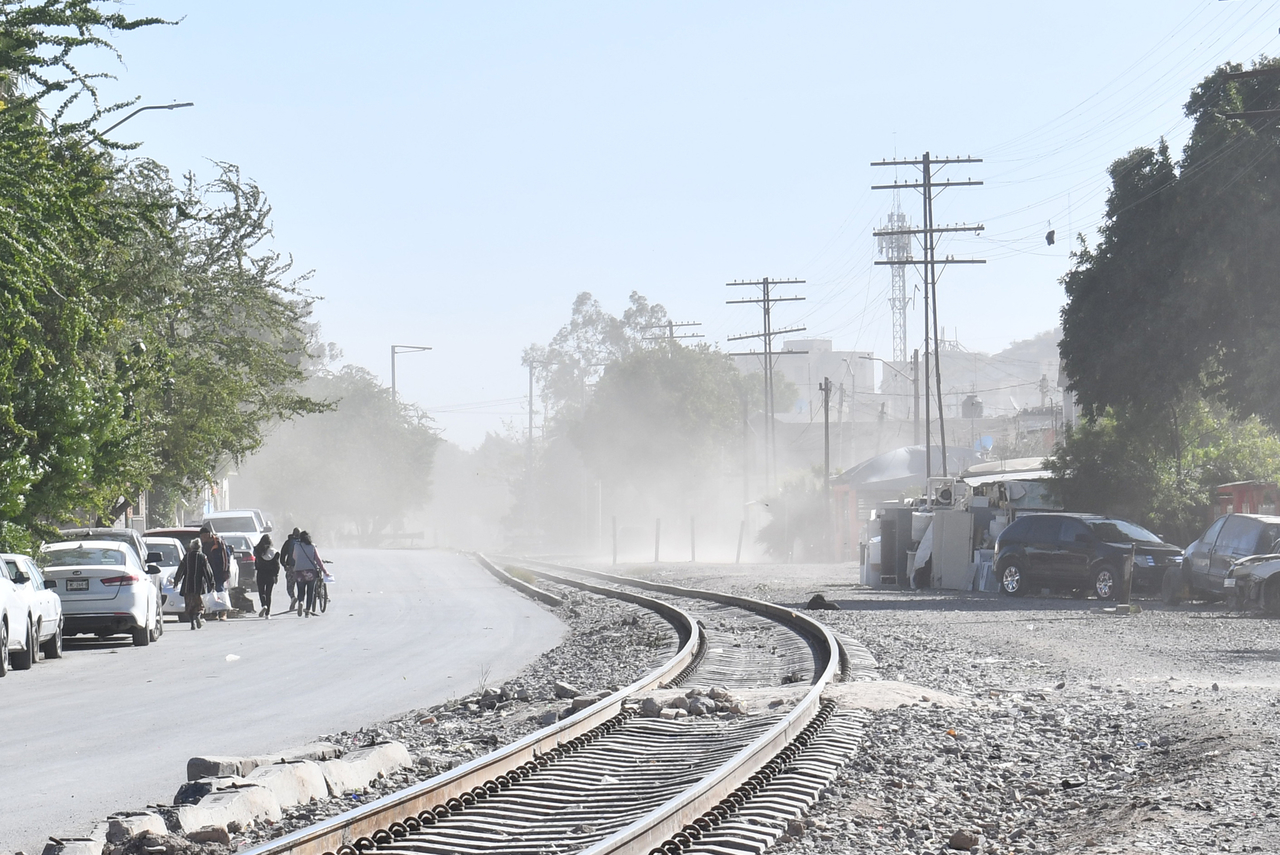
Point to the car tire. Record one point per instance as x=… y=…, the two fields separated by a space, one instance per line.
x=1012 y=580
x=141 y=636
x=1174 y=590
x=1271 y=596
x=53 y=647
x=4 y=648
x=157 y=625
x=24 y=659
x=1105 y=582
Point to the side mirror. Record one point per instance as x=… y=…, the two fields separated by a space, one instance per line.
x=267 y=528
x=153 y=570
x=154 y=557
x=50 y=583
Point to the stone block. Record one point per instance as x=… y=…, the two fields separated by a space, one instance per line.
x=292 y=783
x=357 y=768
x=122 y=827
x=244 y=804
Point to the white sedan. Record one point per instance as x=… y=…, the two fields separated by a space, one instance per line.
x=38 y=624
x=105 y=590
x=169 y=550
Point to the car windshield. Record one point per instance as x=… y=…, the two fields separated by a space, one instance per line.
x=85 y=556
x=224 y=524
x=169 y=552
x=238 y=542
x=1119 y=531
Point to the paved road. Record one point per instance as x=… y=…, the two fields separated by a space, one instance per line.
x=111 y=726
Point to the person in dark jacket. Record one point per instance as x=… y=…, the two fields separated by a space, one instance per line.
x=267 y=562
x=220 y=556
x=286 y=561
x=193 y=580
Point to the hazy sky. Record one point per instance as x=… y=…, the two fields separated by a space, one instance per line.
x=455 y=173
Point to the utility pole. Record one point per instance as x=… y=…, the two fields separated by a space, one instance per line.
x=670 y=334
x=915 y=385
x=766 y=301
x=396 y=350
x=929 y=188
x=826 y=463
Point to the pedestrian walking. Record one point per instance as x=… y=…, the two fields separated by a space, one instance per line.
x=286 y=561
x=307 y=566
x=193 y=580
x=267 y=562
x=220 y=556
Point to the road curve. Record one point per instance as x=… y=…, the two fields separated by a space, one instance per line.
x=111 y=726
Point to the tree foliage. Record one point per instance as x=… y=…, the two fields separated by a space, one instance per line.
x=147 y=332
x=1182 y=288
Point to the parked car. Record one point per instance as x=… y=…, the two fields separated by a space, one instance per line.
x=1209 y=568
x=105 y=590
x=119 y=535
x=41 y=616
x=1083 y=553
x=168 y=552
x=248 y=521
x=246 y=563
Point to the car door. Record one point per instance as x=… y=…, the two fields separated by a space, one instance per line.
x=46 y=601
x=1042 y=546
x=1238 y=538
x=1075 y=553
x=1196 y=559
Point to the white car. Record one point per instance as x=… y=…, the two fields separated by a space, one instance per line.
x=248 y=521
x=105 y=590
x=170 y=551
x=38 y=627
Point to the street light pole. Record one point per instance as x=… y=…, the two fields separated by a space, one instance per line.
x=397 y=349
x=143 y=110
x=915 y=383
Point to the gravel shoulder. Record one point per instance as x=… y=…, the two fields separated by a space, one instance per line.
x=1043 y=724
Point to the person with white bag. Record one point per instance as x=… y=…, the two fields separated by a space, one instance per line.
x=194 y=580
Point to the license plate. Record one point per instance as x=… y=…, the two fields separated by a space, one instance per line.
x=77 y=584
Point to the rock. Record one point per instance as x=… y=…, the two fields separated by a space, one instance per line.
x=650 y=707
x=522 y=694
x=679 y=702
x=192 y=792
x=122 y=827
x=210 y=834
x=962 y=841
x=795 y=828
x=549 y=718
x=697 y=706
x=821 y=603
x=719 y=693
x=566 y=713
x=564 y=690
x=581 y=703
x=669 y=714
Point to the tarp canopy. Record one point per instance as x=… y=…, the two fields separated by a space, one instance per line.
x=1012 y=464
x=903 y=469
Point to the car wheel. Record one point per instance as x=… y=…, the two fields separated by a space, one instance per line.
x=4 y=648
x=1011 y=581
x=157 y=622
x=1173 y=587
x=1104 y=583
x=53 y=647
x=141 y=636
x=23 y=659
x=1271 y=596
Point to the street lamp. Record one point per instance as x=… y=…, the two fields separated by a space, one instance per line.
x=143 y=110
x=396 y=350
x=915 y=383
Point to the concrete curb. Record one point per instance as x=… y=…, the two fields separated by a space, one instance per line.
x=242 y=803
x=292 y=782
x=214 y=766
x=357 y=768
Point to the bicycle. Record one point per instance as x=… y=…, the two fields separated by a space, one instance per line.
x=322 y=593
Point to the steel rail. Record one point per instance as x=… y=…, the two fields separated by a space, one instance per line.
x=686 y=813
x=367 y=823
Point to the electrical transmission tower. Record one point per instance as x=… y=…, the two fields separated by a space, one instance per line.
x=766 y=301
x=929 y=187
x=894 y=243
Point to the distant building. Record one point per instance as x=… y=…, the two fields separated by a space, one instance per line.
x=804 y=362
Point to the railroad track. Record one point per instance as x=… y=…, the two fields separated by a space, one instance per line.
x=608 y=780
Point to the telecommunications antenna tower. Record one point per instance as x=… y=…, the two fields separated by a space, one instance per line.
x=896 y=249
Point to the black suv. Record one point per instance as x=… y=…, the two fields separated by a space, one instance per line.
x=1082 y=553
x=1207 y=569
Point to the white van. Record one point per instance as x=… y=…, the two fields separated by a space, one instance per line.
x=240 y=521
